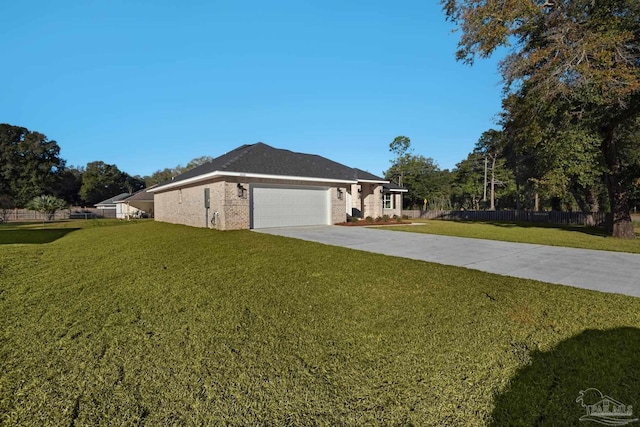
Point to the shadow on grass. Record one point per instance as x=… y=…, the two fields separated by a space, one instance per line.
x=593 y=231
x=545 y=392
x=48 y=235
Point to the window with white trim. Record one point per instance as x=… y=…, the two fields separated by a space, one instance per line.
x=387 y=201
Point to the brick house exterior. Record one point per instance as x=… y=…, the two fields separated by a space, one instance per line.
x=258 y=186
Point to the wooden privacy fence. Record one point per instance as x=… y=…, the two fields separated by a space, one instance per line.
x=550 y=217
x=73 y=213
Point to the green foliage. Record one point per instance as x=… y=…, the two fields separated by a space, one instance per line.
x=160 y=176
x=421 y=176
x=101 y=181
x=198 y=161
x=400 y=146
x=163 y=175
x=467 y=186
x=352 y=218
x=29 y=163
x=47 y=205
x=468 y=179
x=67 y=185
x=573 y=66
x=554 y=150
x=145 y=323
x=6 y=204
x=594 y=61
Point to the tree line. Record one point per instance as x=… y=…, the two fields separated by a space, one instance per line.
x=31 y=167
x=507 y=169
x=571 y=105
x=495 y=176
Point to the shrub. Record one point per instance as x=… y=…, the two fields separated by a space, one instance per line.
x=47 y=205
x=378 y=219
x=385 y=218
x=352 y=218
x=369 y=219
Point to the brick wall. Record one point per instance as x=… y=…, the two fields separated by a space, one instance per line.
x=230 y=209
x=186 y=205
x=371 y=200
x=338 y=205
x=234 y=206
x=397 y=206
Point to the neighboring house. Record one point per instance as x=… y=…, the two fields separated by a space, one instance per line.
x=138 y=205
x=258 y=186
x=107 y=208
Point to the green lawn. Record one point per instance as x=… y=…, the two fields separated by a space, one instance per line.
x=155 y=324
x=570 y=236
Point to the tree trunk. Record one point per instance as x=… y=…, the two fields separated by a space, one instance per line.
x=594 y=206
x=484 y=199
x=493 y=184
x=619 y=223
x=587 y=201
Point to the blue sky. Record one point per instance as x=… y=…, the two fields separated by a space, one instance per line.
x=151 y=84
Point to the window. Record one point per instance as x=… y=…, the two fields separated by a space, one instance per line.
x=387 y=201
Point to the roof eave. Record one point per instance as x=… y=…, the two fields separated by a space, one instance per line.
x=373 y=181
x=216 y=174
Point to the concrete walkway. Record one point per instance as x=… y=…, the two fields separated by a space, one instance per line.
x=605 y=271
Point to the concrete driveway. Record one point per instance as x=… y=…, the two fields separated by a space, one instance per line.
x=605 y=271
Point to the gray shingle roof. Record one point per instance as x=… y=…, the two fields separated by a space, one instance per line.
x=394 y=187
x=113 y=200
x=366 y=176
x=142 y=195
x=263 y=159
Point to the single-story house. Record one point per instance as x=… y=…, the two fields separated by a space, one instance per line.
x=259 y=186
x=138 y=205
x=107 y=208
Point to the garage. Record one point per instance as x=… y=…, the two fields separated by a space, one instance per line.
x=280 y=206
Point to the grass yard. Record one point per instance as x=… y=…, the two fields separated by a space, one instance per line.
x=156 y=324
x=543 y=234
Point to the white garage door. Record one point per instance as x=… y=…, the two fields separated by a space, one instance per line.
x=276 y=206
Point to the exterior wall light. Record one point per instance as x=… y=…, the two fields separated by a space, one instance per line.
x=340 y=193
x=242 y=192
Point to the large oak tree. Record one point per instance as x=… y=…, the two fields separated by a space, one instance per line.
x=101 y=181
x=585 y=53
x=29 y=164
